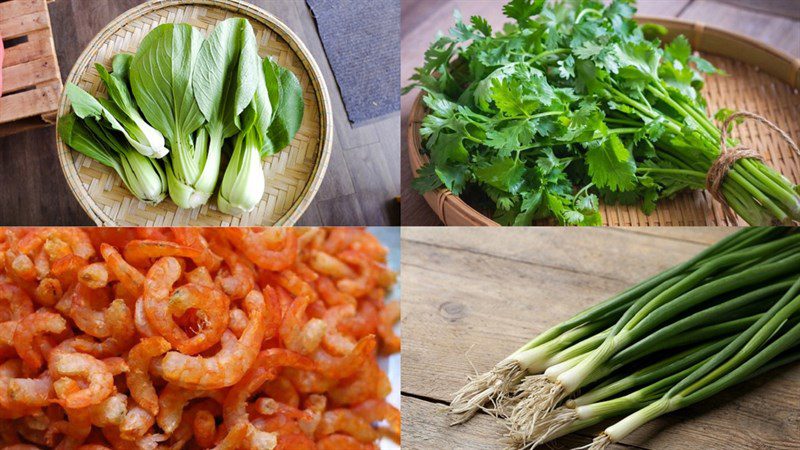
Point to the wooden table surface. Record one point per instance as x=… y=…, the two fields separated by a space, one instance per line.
x=481 y=293
x=359 y=188
x=775 y=22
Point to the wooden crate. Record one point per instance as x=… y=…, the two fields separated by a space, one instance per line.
x=31 y=77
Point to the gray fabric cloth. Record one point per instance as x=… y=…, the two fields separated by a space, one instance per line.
x=362 y=42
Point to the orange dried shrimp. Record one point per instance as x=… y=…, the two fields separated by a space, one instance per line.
x=169 y=339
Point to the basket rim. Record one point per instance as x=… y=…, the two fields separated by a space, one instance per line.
x=252 y=12
x=442 y=199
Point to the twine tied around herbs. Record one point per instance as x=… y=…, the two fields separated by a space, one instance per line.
x=727 y=158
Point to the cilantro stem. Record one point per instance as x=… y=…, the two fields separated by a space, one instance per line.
x=758 y=195
x=624 y=121
x=662 y=94
x=533 y=116
x=556 y=51
x=686 y=172
x=587 y=11
x=623 y=130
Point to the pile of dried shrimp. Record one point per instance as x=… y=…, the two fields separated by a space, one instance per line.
x=194 y=338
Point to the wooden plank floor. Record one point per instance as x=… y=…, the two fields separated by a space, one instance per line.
x=422 y=19
x=472 y=297
x=363 y=177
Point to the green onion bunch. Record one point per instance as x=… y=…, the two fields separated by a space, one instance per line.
x=728 y=314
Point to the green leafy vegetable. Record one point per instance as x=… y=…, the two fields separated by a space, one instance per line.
x=161 y=80
x=286 y=95
x=574 y=102
x=225 y=82
x=197 y=93
x=243 y=183
x=143 y=176
x=136 y=131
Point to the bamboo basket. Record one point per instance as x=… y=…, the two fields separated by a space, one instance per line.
x=31 y=77
x=293 y=175
x=762 y=80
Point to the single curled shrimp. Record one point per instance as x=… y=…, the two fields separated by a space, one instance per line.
x=282 y=390
x=298 y=334
x=338 y=368
x=25 y=393
x=334 y=341
x=86 y=368
x=160 y=307
x=171 y=402
x=135 y=424
x=233 y=360
x=48 y=291
x=129 y=277
x=193 y=237
x=369 y=382
x=33 y=325
x=109 y=412
x=237 y=278
x=347 y=422
x=79 y=305
x=78 y=241
x=138 y=379
x=139 y=253
x=121 y=329
x=330 y=265
x=211 y=307
x=375 y=410
x=272 y=249
x=14 y=302
x=94 y=275
x=331 y=295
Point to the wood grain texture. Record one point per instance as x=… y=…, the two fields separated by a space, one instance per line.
x=35 y=192
x=421 y=20
x=473 y=297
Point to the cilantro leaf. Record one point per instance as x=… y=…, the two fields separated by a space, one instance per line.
x=523 y=10
x=611 y=165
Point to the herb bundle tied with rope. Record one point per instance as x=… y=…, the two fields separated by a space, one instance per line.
x=575 y=102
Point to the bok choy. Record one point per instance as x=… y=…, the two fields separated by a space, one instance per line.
x=188 y=98
x=161 y=80
x=143 y=176
x=225 y=82
x=144 y=139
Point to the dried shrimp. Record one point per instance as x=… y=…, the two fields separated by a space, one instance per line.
x=170 y=339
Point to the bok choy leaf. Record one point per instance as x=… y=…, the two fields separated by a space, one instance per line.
x=286 y=97
x=145 y=140
x=225 y=82
x=243 y=182
x=161 y=80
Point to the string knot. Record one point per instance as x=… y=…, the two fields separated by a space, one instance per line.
x=728 y=156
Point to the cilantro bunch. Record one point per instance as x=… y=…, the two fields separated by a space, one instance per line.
x=575 y=102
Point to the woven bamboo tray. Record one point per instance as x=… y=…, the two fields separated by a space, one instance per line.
x=31 y=78
x=762 y=80
x=293 y=175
